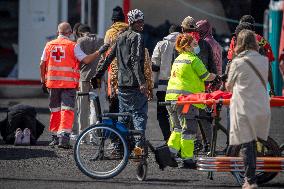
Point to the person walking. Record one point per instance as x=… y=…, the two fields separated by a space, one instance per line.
x=59 y=69
x=162 y=59
x=117 y=27
x=188 y=75
x=89 y=43
x=249 y=107
x=132 y=89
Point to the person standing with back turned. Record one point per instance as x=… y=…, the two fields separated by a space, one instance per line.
x=249 y=107
x=59 y=68
x=163 y=58
x=132 y=90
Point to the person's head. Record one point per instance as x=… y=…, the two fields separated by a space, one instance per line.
x=83 y=29
x=175 y=28
x=136 y=19
x=186 y=43
x=204 y=28
x=75 y=30
x=188 y=24
x=243 y=26
x=65 y=29
x=248 y=19
x=117 y=15
x=246 y=40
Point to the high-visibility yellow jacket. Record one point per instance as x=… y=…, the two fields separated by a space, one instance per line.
x=187 y=77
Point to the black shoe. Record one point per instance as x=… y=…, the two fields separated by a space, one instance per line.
x=188 y=164
x=64 y=141
x=54 y=141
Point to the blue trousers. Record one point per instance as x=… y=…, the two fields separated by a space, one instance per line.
x=133 y=101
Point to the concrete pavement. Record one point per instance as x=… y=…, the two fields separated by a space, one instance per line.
x=43 y=167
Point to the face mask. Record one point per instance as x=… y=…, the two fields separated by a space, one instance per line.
x=196 y=49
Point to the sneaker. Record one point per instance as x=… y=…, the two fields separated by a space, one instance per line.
x=26 y=140
x=18 y=137
x=138 y=151
x=247 y=185
x=73 y=136
x=64 y=141
x=54 y=141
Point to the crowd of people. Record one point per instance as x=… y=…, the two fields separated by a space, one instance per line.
x=186 y=60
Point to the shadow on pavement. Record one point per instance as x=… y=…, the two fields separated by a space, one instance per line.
x=24 y=153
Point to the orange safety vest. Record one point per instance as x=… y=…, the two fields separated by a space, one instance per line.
x=63 y=69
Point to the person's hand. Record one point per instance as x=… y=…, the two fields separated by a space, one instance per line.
x=143 y=89
x=44 y=88
x=95 y=82
x=104 y=48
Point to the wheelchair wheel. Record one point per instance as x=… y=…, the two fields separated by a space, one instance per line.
x=264 y=148
x=101 y=152
x=141 y=171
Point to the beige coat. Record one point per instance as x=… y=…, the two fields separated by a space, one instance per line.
x=249 y=108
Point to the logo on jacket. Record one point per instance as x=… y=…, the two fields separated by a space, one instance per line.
x=58 y=53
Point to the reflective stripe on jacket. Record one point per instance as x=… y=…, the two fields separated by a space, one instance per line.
x=187 y=76
x=62 y=66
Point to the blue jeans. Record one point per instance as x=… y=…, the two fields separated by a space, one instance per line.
x=133 y=101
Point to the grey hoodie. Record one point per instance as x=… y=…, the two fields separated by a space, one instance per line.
x=163 y=57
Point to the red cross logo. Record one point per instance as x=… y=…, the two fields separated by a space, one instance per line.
x=58 y=53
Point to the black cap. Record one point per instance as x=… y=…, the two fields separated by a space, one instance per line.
x=117 y=14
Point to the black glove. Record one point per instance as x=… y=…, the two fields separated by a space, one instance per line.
x=44 y=88
x=104 y=48
x=96 y=82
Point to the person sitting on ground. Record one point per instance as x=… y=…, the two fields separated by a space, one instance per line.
x=21 y=127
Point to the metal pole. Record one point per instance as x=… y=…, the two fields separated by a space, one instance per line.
x=90 y=13
x=83 y=14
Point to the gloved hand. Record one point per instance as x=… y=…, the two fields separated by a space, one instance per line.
x=95 y=82
x=44 y=88
x=104 y=48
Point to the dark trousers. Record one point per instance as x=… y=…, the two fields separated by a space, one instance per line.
x=249 y=151
x=163 y=116
x=114 y=105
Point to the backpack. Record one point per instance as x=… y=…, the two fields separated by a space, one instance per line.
x=21 y=116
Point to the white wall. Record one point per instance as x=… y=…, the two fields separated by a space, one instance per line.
x=38 y=21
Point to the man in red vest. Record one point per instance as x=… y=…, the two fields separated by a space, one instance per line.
x=60 y=73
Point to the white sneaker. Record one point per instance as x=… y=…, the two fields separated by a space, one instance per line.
x=73 y=136
x=26 y=140
x=18 y=137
